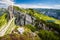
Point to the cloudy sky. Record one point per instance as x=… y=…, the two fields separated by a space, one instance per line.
x=54 y=4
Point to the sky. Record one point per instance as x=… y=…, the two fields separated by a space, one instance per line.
x=54 y=4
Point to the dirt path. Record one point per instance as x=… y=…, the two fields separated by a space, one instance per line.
x=5 y=28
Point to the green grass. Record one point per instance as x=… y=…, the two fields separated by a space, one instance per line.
x=45 y=18
x=48 y=35
x=3 y=19
x=11 y=27
x=37 y=14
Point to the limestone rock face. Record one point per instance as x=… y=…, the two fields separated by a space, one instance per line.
x=10 y=9
x=23 y=19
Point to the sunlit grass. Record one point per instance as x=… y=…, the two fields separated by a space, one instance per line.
x=3 y=19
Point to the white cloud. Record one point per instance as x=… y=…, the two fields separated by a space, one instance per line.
x=38 y=6
x=6 y=3
x=57 y=6
x=9 y=2
x=32 y=6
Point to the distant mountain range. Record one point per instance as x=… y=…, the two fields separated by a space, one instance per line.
x=2 y=10
x=50 y=12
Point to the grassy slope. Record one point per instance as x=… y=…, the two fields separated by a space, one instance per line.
x=11 y=27
x=42 y=32
x=3 y=19
x=27 y=35
x=55 y=22
x=36 y=14
x=45 y=18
